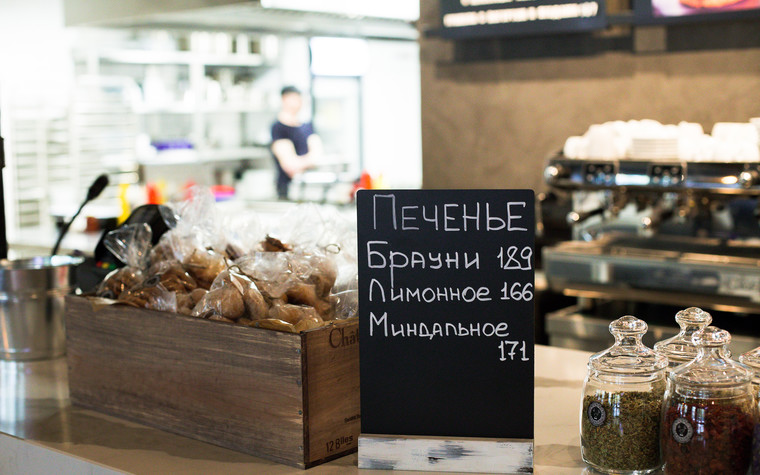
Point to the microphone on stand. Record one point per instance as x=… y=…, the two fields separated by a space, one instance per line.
x=95 y=190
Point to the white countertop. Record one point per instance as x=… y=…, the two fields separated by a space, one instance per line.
x=39 y=429
x=39 y=241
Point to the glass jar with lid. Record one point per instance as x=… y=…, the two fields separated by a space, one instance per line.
x=709 y=411
x=752 y=360
x=680 y=349
x=622 y=403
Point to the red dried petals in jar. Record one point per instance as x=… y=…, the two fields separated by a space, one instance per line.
x=708 y=437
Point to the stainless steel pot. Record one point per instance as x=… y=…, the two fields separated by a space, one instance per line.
x=32 y=306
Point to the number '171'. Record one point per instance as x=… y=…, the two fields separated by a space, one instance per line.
x=509 y=350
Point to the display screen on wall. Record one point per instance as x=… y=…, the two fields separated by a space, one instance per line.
x=487 y=18
x=676 y=11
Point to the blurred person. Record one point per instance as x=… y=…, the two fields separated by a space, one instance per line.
x=295 y=146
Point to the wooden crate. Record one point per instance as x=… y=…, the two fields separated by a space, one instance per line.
x=289 y=398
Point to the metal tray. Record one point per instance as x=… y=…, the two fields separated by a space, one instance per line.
x=658 y=269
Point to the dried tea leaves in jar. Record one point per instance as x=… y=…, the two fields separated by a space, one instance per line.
x=620 y=430
x=622 y=403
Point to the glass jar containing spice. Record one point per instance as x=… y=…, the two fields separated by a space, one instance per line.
x=622 y=403
x=709 y=411
x=752 y=360
x=680 y=349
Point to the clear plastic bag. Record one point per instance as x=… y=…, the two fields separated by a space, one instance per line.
x=131 y=245
x=345 y=293
x=204 y=266
x=232 y=296
x=186 y=302
x=195 y=216
x=292 y=278
x=150 y=294
x=118 y=281
x=291 y=318
x=316 y=268
x=242 y=234
x=292 y=313
x=324 y=254
x=345 y=304
x=227 y=269
x=308 y=226
x=173 y=276
x=270 y=271
x=195 y=239
x=273 y=324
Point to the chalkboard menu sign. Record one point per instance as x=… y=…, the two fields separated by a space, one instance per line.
x=446 y=312
x=483 y=18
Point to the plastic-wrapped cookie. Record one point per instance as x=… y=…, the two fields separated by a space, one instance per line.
x=274 y=324
x=255 y=305
x=308 y=323
x=197 y=295
x=173 y=276
x=225 y=302
x=271 y=244
x=118 y=281
x=292 y=313
x=162 y=251
x=300 y=293
x=184 y=304
x=204 y=266
x=323 y=275
x=150 y=294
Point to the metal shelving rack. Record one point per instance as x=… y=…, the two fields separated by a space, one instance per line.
x=197 y=111
x=34 y=150
x=57 y=143
x=103 y=130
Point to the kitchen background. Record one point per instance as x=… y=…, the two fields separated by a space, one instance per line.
x=494 y=109
x=170 y=98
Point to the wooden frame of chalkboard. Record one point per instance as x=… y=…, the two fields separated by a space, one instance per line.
x=447 y=329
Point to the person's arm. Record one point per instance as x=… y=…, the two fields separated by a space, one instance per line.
x=315 y=147
x=291 y=163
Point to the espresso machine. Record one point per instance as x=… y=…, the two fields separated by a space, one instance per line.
x=651 y=237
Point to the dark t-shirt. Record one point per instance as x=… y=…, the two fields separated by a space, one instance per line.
x=299 y=136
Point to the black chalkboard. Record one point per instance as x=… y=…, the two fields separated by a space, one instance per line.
x=446 y=312
x=460 y=20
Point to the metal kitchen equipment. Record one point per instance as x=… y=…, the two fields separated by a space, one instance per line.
x=665 y=234
x=32 y=306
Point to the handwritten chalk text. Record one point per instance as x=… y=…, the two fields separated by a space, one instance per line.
x=448 y=217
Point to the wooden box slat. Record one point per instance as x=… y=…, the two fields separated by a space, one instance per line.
x=332 y=360
x=271 y=394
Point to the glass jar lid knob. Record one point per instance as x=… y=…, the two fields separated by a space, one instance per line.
x=628 y=326
x=711 y=337
x=628 y=356
x=693 y=316
x=713 y=368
